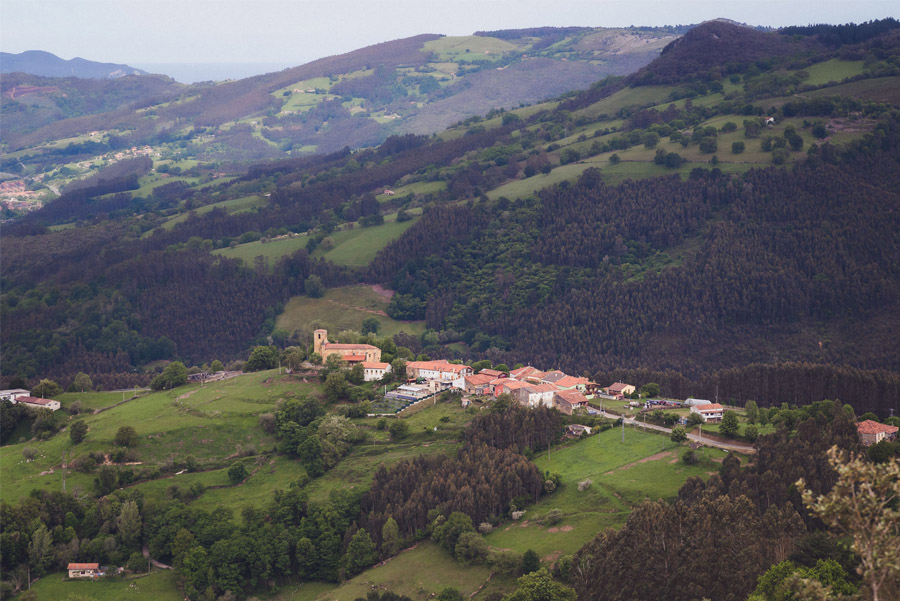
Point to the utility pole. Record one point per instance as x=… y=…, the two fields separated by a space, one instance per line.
x=623 y=430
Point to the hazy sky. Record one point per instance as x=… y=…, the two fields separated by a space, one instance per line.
x=297 y=31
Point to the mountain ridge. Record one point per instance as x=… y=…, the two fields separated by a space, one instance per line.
x=47 y=64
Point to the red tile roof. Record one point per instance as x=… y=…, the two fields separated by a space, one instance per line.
x=33 y=400
x=572 y=396
x=442 y=366
x=375 y=365
x=356 y=358
x=570 y=381
x=491 y=372
x=335 y=346
x=479 y=379
x=710 y=407
x=84 y=566
x=542 y=388
x=872 y=427
x=618 y=387
x=526 y=372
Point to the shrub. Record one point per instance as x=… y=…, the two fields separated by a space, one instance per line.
x=485 y=528
x=77 y=431
x=737 y=147
x=237 y=472
x=585 y=484
x=267 y=422
x=29 y=454
x=678 y=434
x=553 y=517
x=516 y=515
x=126 y=436
x=689 y=457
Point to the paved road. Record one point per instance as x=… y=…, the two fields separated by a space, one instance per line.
x=728 y=446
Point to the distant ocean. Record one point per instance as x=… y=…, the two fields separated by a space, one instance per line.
x=194 y=72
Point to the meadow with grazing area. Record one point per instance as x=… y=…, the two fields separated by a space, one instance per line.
x=158 y=585
x=343 y=308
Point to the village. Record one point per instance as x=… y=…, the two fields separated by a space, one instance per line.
x=531 y=387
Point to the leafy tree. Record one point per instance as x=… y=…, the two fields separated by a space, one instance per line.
x=729 y=426
x=471 y=548
x=399 y=429
x=136 y=563
x=530 y=562
x=614 y=159
x=310 y=454
x=540 y=586
x=314 y=287
x=175 y=374
x=447 y=533
x=40 y=550
x=77 y=431
x=678 y=434
x=356 y=374
x=650 y=389
x=450 y=594
x=752 y=411
x=237 y=472
x=737 y=147
x=47 y=389
x=293 y=357
x=106 y=480
x=391 y=540
x=751 y=432
x=336 y=386
x=262 y=358
x=129 y=524
x=360 y=554
x=83 y=382
x=216 y=366
x=863 y=504
x=126 y=436
x=370 y=325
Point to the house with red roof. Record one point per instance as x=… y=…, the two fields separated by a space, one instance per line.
x=479 y=383
x=37 y=403
x=506 y=386
x=493 y=372
x=375 y=370
x=711 y=413
x=620 y=389
x=872 y=432
x=527 y=373
x=535 y=395
x=567 y=401
x=452 y=373
x=84 y=570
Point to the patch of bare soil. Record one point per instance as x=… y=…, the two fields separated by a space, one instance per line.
x=187 y=394
x=384 y=293
x=656 y=457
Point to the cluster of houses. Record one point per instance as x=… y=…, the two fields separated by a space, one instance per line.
x=20 y=396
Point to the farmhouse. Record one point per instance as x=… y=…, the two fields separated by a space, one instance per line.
x=619 y=390
x=375 y=370
x=552 y=377
x=582 y=385
x=569 y=400
x=535 y=395
x=711 y=413
x=493 y=373
x=506 y=386
x=12 y=394
x=84 y=570
x=871 y=432
x=444 y=371
x=37 y=403
x=351 y=353
x=527 y=373
x=479 y=383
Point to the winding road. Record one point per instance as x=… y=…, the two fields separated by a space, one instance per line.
x=738 y=447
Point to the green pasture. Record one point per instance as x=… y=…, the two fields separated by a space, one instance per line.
x=834 y=70
x=96 y=400
x=235 y=205
x=271 y=249
x=626 y=97
x=468 y=48
x=343 y=308
x=645 y=466
x=208 y=422
x=415 y=188
x=880 y=89
x=420 y=573
x=159 y=586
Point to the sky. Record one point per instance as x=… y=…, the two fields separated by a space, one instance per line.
x=293 y=32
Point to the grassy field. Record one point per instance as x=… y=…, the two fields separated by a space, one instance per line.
x=645 y=466
x=881 y=89
x=414 y=188
x=235 y=205
x=834 y=70
x=159 y=586
x=353 y=248
x=419 y=573
x=208 y=423
x=343 y=308
x=468 y=48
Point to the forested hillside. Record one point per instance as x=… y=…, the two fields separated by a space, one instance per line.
x=611 y=230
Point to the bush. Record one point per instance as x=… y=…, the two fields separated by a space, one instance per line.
x=614 y=159
x=689 y=457
x=126 y=436
x=29 y=454
x=237 y=472
x=751 y=433
x=585 y=484
x=267 y=422
x=553 y=517
x=471 y=548
x=530 y=562
x=314 y=287
x=485 y=528
x=77 y=431
x=136 y=563
x=678 y=434
x=175 y=374
x=399 y=429
x=737 y=147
